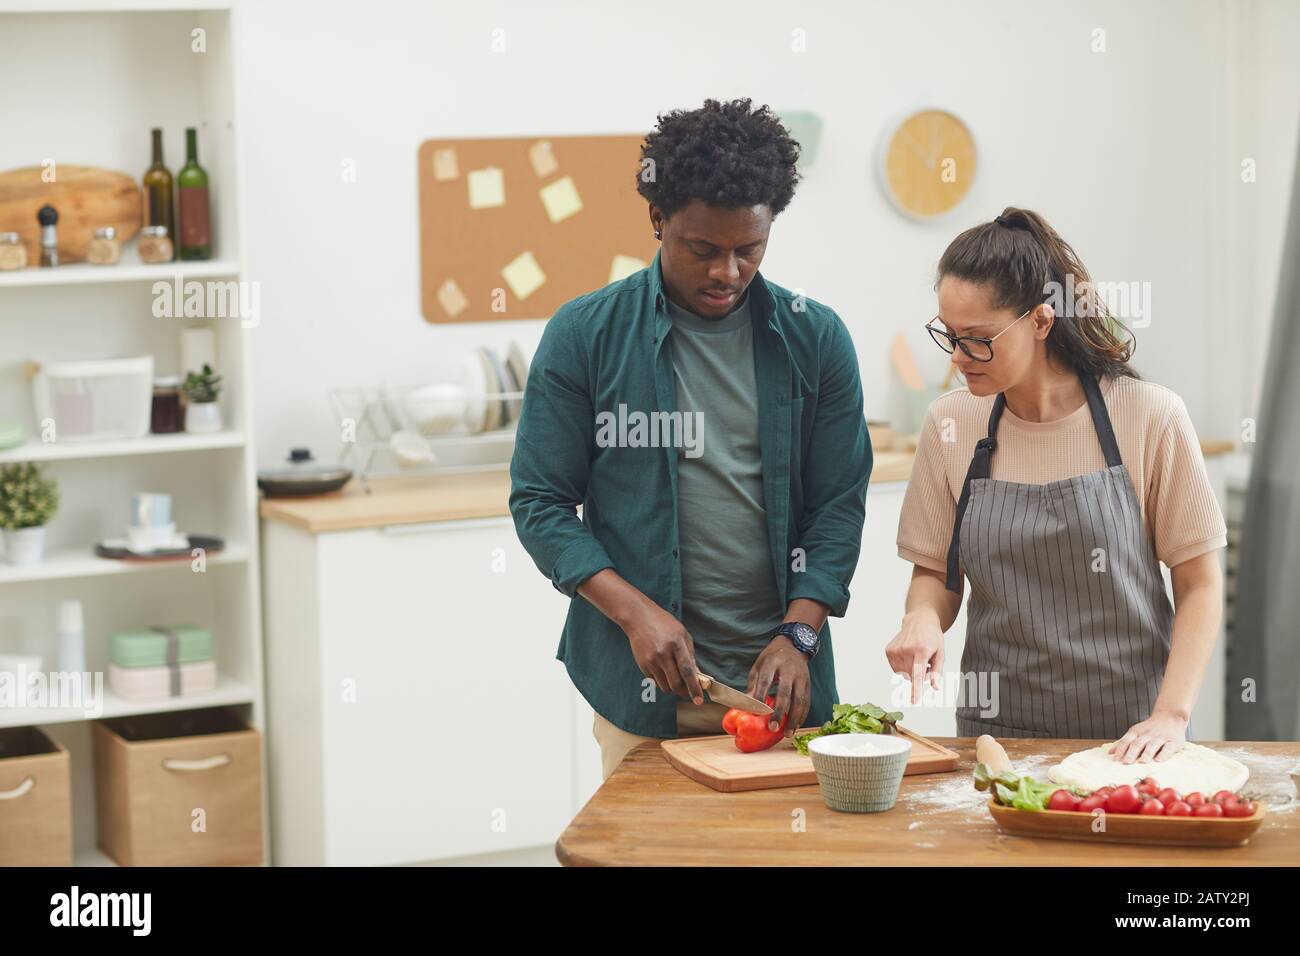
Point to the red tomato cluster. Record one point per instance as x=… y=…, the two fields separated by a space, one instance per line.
x=1149 y=799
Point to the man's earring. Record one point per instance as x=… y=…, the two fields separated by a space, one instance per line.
x=657 y=235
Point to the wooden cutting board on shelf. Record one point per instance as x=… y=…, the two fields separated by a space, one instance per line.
x=715 y=762
x=86 y=198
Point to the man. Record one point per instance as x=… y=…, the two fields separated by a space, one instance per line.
x=710 y=424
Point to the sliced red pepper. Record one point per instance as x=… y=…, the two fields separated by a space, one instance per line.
x=750 y=730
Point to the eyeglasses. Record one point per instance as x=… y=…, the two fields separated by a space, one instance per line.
x=977 y=347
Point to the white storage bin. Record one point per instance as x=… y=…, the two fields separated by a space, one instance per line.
x=110 y=398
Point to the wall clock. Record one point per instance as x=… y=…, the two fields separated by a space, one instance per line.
x=927 y=163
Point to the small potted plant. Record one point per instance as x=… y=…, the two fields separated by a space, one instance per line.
x=202 y=413
x=28 y=500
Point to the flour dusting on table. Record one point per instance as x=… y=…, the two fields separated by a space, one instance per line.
x=1270 y=778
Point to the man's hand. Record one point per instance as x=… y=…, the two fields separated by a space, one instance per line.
x=664 y=651
x=785 y=665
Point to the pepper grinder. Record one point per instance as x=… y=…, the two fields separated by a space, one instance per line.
x=48 y=217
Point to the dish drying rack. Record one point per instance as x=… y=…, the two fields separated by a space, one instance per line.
x=375 y=414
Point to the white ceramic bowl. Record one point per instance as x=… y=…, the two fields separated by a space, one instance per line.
x=436 y=409
x=860 y=773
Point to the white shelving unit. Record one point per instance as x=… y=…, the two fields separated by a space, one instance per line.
x=123 y=68
x=148 y=445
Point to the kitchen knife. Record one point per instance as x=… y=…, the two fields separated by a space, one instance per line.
x=727 y=697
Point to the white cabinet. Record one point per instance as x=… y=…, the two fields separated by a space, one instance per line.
x=416 y=710
x=878 y=591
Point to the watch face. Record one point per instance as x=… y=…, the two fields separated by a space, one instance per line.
x=803 y=635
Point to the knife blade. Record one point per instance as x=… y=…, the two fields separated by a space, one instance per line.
x=729 y=697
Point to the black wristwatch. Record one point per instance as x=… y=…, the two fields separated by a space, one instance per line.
x=801 y=636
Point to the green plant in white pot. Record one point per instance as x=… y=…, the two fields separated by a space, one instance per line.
x=202 y=414
x=28 y=500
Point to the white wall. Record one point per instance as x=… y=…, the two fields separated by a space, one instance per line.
x=1133 y=154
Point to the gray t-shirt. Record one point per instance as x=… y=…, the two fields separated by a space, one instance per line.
x=730 y=604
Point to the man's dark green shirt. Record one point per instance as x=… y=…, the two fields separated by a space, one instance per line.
x=611 y=348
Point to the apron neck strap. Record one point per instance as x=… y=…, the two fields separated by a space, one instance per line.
x=1101 y=420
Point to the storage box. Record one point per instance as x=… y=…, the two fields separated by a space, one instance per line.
x=148 y=647
x=179 y=789
x=35 y=800
x=111 y=398
x=141 y=683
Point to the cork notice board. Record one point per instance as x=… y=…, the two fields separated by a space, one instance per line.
x=513 y=228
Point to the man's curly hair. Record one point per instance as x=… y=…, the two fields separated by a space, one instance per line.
x=725 y=154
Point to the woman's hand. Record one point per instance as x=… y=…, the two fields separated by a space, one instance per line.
x=1158 y=737
x=916 y=651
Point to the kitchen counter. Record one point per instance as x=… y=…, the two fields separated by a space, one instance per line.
x=448 y=497
x=649 y=814
x=479 y=494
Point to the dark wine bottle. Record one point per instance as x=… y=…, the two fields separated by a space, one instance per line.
x=192 y=183
x=159 y=210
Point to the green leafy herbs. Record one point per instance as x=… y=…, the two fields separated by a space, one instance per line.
x=850 y=719
x=1010 y=790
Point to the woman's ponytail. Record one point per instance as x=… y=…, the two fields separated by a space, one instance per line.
x=1025 y=262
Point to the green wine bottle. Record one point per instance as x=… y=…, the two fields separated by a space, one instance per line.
x=159 y=210
x=192 y=180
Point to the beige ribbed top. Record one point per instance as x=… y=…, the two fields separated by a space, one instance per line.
x=1156 y=440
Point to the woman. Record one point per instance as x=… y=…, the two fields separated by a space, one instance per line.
x=1057 y=482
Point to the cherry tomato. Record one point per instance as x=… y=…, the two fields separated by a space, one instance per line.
x=1223 y=795
x=1147 y=789
x=1150 y=782
x=1208 y=810
x=1124 y=799
x=1239 y=808
x=1062 y=800
x=1179 y=808
x=1194 y=799
x=1168 y=795
x=1152 y=808
x=1095 y=802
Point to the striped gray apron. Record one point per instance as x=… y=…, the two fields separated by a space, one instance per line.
x=1068 y=606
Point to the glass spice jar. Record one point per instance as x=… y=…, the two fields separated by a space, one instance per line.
x=104 y=249
x=13 y=254
x=165 y=413
x=155 y=244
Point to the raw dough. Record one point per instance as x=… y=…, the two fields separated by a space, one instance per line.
x=1194 y=768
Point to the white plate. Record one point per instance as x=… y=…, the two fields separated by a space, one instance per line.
x=474 y=378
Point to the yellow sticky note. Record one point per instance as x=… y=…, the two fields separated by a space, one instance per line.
x=561 y=199
x=542 y=158
x=524 y=275
x=451 y=298
x=487 y=188
x=445 y=168
x=624 y=266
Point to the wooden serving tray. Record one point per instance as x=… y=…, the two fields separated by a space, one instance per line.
x=1128 y=827
x=715 y=761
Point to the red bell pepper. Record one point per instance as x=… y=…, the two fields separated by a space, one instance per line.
x=750 y=730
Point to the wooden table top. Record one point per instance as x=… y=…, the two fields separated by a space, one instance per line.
x=648 y=814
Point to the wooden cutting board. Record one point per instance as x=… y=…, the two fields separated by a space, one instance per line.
x=715 y=762
x=87 y=199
